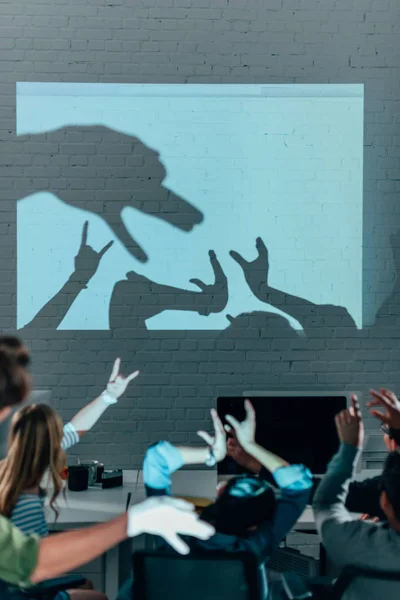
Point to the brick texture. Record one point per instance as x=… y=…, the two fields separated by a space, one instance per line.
x=206 y=41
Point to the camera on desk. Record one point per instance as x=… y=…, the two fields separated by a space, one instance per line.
x=92 y=473
x=112 y=479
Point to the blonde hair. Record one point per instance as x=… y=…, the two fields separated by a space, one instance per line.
x=34 y=446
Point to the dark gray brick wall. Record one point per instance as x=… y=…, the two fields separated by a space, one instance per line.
x=196 y=41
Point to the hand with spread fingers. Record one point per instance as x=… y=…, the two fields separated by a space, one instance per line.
x=349 y=424
x=255 y=271
x=168 y=517
x=217 y=442
x=387 y=400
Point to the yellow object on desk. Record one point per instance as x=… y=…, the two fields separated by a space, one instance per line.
x=199 y=503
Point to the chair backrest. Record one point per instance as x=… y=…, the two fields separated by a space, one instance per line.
x=350 y=573
x=159 y=575
x=4 y=593
x=49 y=588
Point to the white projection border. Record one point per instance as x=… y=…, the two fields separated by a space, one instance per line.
x=280 y=162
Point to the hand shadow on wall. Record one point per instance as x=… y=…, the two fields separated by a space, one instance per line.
x=102 y=171
x=135 y=299
x=317 y=320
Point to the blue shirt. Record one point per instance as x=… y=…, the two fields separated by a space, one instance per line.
x=294 y=481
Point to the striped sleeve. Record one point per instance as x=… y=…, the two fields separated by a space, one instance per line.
x=28 y=515
x=70 y=438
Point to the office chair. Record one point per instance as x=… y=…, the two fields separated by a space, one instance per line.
x=159 y=575
x=47 y=590
x=294 y=587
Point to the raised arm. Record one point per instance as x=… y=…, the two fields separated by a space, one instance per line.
x=342 y=537
x=86 y=418
x=86 y=264
x=285 y=475
x=163 y=459
x=245 y=432
x=256 y=273
x=294 y=481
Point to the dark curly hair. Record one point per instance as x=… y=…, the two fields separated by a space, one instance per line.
x=246 y=502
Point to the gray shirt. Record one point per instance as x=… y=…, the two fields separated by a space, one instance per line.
x=351 y=542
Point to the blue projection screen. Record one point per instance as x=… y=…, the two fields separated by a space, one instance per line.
x=225 y=165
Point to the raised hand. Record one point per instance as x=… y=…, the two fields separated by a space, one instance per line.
x=245 y=431
x=117 y=383
x=214 y=297
x=349 y=424
x=217 y=442
x=167 y=517
x=391 y=405
x=87 y=260
x=255 y=271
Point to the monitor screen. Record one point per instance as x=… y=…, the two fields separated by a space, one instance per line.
x=300 y=429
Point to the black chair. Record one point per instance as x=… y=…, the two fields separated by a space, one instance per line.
x=47 y=590
x=295 y=587
x=159 y=575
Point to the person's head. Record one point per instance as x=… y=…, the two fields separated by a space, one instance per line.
x=15 y=380
x=243 y=503
x=390 y=490
x=34 y=447
x=391 y=438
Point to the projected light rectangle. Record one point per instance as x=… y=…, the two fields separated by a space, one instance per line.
x=283 y=163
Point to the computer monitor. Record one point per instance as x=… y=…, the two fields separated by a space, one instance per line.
x=299 y=427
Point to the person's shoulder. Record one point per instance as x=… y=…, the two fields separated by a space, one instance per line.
x=31 y=497
x=29 y=501
x=380 y=537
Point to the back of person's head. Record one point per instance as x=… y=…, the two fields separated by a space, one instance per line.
x=390 y=485
x=34 y=447
x=245 y=502
x=15 y=381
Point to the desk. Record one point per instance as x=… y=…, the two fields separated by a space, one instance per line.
x=95 y=505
